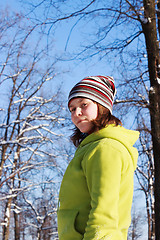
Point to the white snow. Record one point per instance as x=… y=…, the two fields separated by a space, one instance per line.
x=146 y=20
x=158 y=80
x=152 y=90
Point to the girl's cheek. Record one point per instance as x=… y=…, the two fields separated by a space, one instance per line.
x=72 y=118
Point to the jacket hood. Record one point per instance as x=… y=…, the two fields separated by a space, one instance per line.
x=119 y=133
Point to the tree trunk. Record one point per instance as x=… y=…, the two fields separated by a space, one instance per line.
x=152 y=47
x=7 y=219
x=16 y=228
x=4 y=149
x=155 y=129
x=148 y=217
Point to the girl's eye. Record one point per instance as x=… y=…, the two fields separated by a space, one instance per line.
x=84 y=104
x=72 y=110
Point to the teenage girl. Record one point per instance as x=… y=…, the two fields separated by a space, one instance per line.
x=97 y=188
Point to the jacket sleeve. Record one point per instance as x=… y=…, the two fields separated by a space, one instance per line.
x=102 y=167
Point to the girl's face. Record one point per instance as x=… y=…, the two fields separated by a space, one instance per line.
x=83 y=111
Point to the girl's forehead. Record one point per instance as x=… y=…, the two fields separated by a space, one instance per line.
x=75 y=101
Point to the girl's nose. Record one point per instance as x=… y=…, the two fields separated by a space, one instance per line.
x=78 y=111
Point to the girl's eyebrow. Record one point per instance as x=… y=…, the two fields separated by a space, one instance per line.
x=70 y=106
x=80 y=100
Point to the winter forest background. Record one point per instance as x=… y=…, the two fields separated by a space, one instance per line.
x=46 y=46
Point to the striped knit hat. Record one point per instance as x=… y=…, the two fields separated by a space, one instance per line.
x=100 y=89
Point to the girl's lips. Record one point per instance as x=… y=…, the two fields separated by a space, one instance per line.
x=80 y=121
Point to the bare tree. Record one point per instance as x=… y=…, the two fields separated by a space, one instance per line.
x=30 y=115
x=135 y=230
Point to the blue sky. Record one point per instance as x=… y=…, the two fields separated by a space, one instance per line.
x=75 y=71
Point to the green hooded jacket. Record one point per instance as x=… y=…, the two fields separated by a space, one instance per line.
x=97 y=188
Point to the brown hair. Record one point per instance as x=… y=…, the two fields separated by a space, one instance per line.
x=103 y=119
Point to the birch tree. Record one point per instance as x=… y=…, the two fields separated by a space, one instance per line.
x=30 y=114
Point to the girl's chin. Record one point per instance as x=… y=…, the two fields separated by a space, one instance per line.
x=85 y=129
x=85 y=126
